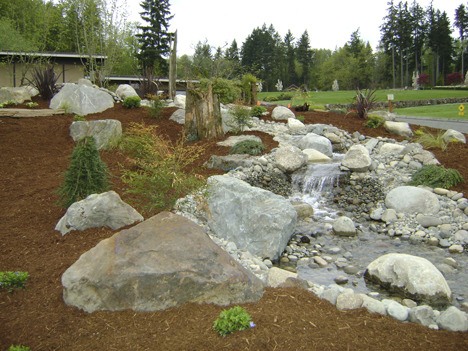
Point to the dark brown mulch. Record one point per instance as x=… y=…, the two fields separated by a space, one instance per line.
x=34 y=153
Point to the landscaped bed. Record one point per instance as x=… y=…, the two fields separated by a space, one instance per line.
x=34 y=154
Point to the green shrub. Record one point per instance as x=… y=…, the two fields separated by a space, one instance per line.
x=258 y=111
x=160 y=172
x=18 y=348
x=79 y=118
x=240 y=119
x=300 y=118
x=86 y=175
x=227 y=90
x=374 y=121
x=32 y=104
x=280 y=97
x=250 y=147
x=231 y=320
x=155 y=106
x=131 y=102
x=431 y=141
x=436 y=177
x=12 y=280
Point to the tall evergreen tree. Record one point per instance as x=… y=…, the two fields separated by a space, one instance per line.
x=291 y=77
x=154 y=37
x=461 y=22
x=304 y=57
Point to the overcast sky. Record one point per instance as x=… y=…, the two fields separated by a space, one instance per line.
x=329 y=23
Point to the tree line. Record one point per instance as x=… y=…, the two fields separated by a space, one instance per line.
x=414 y=40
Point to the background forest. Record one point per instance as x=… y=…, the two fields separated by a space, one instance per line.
x=413 y=38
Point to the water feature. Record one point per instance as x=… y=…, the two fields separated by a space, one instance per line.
x=316 y=186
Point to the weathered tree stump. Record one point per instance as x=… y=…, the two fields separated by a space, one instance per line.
x=202 y=115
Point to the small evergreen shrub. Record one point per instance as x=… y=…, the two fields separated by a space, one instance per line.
x=155 y=107
x=250 y=147
x=258 y=111
x=86 y=175
x=231 y=320
x=436 y=176
x=12 y=280
x=374 y=121
x=240 y=119
x=131 y=102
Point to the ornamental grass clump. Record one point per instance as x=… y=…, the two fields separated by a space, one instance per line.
x=158 y=172
x=431 y=141
x=374 y=121
x=364 y=101
x=86 y=175
x=231 y=320
x=436 y=176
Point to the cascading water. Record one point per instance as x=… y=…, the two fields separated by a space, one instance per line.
x=315 y=184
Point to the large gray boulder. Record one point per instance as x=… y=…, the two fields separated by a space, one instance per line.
x=178 y=116
x=254 y=219
x=399 y=128
x=105 y=132
x=160 y=263
x=81 y=99
x=17 y=95
x=281 y=113
x=98 y=210
x=413 y=277
x=179 y=101
x=453 y=319
x=410 y=199
x=344 y=226
x=289 y=158
x=357 y=159
x=316 y=142
x=124 y=91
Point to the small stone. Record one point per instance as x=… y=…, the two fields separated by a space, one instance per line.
x=268 y=263
x=341 y=280
x=305 y=239
x=320 y=261
x=351 y=270
x=451 y=262
x=456 y=249
x=409 y=303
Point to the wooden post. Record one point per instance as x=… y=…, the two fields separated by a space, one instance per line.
x=202 y=115
x=173 y=68
x=253 y=95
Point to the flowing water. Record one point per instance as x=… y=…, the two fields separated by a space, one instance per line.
x=315 y=186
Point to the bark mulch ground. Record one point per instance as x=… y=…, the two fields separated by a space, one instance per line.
x=34 y=153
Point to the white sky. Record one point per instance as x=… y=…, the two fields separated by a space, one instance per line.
x=329 y=23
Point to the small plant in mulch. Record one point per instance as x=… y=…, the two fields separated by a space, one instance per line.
x=436 y=176
x=249 y=147
x=131 y=102
x=241 y=119
x=13 y=280
x=32 y=104
x=431 y=141
x=155 y=106
x=19 y=348
x=232 y=320
x=86 y=175
x=258 y=111
x=79 y=118
x=374 y=121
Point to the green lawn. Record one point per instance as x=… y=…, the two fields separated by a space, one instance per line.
x=346 y=96
x=321 y=98
x=436 y=111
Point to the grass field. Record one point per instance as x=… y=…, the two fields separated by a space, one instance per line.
x=321 y=98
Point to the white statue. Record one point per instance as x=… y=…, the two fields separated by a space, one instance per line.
x=335 y=86
x=415 y=80
x=279 y=85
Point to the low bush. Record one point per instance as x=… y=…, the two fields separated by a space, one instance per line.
x=32 y=104
x=12 y=280
x=280 y=97
x=258 y=111
x=79 y=118
x=155 y=106
x=158 y=171
x=374 y=121
x=86 y=175
x=436 y=177
x=131 y=102
x=231 y=320
x=250 y=147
